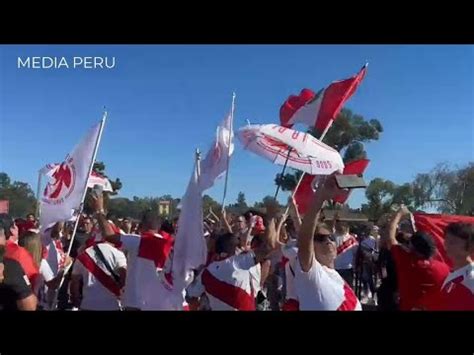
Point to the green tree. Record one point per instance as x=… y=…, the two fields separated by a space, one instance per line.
x=240 y=207
x=241 y=203
x=347 y=135
x=267 y=200
x=19 y=194
x=449 y=190
x=379 y=194
x=209 y=203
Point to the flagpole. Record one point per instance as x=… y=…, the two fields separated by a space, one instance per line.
x=91 y=166
x=228 y=151
x=38 y=191
x=198 y=162
x=81 y=206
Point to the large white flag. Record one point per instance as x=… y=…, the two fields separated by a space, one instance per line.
x=215 y=163
x=190 y=249
x=63 y=194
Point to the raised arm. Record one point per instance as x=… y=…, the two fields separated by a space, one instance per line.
x=270 y=243
x=390 y=238
x=305 y=241
x=294 y=214
x=105 y=227
x=281 y=223
x=224 y=222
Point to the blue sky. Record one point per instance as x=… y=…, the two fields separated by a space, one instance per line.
x=165 y=101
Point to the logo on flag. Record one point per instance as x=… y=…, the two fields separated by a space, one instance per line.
x=63 y=183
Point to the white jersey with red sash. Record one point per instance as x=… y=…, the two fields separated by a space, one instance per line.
x=323 y=289
x=457 y=292
x=230 y=283
x=55 y=255
x=170 y=293
x=100 y=291
x=346 y=249
x=146 y=256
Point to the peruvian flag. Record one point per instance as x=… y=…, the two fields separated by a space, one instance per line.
x=435 y=225
x=305 y=192
x=63 y=193
x=94 y=179
x=318 y=110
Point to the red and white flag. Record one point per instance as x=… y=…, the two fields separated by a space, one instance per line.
x=94 y=178
x=215 y=163
x=63 y=194
x=305 y=192
x=318 y=110
x=97 y=179
x=435 y=225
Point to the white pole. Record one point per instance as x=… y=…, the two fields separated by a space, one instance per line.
x=228 y=152
x=198 y=162
x=91 y=166
x=38 y=191
x=81 y=206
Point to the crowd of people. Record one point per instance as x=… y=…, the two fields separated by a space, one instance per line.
x=256 y=261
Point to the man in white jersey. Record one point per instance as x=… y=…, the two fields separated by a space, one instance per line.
x=232 y=281
x=146 y=256
x=457 y=292
x=101 y=270
x=318 y=286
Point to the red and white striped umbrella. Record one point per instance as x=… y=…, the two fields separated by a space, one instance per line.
x=303 y=152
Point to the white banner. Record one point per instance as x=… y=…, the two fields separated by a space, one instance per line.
x=214 y=164
x=63 y=193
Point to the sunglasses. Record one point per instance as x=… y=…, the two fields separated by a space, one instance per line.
x=321 y=238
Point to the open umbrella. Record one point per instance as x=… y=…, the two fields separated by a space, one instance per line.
x=298 y=150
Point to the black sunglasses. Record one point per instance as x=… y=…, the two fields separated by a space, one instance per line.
x=321 y=238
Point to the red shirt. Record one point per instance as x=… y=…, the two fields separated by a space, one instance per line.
x=419 y=280
x=22 y=256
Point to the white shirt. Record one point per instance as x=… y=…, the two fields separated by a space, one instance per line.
x=345 y=259
x=233 y=281
x=95 y=296
x=467 y=273
x=323 y=289
x=143 y=277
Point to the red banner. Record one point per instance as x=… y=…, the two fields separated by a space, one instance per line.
x=435 y=225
